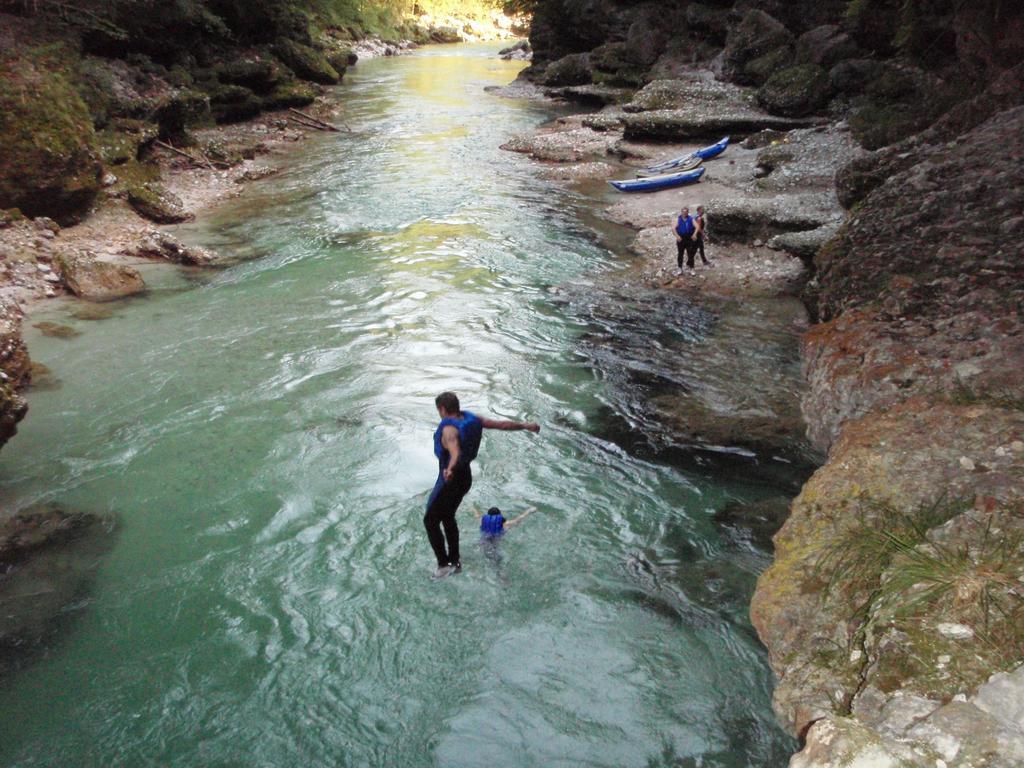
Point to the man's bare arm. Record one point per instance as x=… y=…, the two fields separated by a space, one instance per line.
x=450 y=441
x=509 y=426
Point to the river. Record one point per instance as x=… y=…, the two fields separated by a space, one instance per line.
x=261 y=435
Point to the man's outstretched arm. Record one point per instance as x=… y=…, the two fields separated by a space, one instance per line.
x=509 y=426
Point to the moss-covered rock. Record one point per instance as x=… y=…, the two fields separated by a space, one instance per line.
x=756 y=35
x=796 y=91
x=714 y=22
x=233 y=103
x=573 y=69
x=757 y=71
x=826 y=46
x=49 y=163
x=619 y=64
x=260 y=75
x=158 y=204
x=122 y=140
x=853 y=75
x=307 y=62
x=180 y=110
x=292 y=94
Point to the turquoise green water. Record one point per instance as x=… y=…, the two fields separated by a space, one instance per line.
x=262 y=436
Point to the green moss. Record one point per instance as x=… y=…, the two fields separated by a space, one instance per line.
x=293 y=94
x=795 y=91
x=758 y=70
x=181 y=110
x=306 y=62
x=49 y=165
x=258 y=75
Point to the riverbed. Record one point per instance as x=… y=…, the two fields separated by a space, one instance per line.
x=259 y=438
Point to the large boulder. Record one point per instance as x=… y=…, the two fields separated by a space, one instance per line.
x=825 y=46
x=916 y=227
x=49 y=159
x=233 y=103
x=573 y=69
x=291 y=94
x=95 y=280
x=619 y=64
x=158 y=204
x=796 y=91
x=308 y=63
x=259 y=74
x=181 y=109
x=756 y=35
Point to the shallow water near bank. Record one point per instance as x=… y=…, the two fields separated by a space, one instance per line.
x=261 y=434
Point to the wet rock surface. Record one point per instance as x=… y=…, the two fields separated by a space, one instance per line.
x=48 y=559
x=156 y=203
x=671 y=357
x=96 y=280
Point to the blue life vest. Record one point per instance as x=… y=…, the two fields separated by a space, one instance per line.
x=471 y=430
x=684 y=227
x=492 y=525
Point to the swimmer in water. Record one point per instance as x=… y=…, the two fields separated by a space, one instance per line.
x=492 y=527
x=494 y=524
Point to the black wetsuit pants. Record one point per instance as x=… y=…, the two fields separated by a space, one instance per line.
x=699 y=247
x=441 y=515
x=686 y=248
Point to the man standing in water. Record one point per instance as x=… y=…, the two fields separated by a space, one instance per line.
x=456 y=442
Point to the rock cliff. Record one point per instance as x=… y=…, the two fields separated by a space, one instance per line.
x=892 y=613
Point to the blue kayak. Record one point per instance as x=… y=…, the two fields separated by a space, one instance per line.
x=704 y=154
x=654 y=183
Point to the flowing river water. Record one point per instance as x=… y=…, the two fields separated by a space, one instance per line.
x=262 y=437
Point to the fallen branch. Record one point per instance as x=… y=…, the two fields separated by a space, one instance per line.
x=314 y=120
x=201 y=160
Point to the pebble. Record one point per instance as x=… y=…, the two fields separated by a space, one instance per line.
x=1017 y=446
x=955 y=631
x=966 y=463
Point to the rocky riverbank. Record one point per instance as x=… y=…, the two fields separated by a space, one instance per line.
x=105 y=144
x=892 y=612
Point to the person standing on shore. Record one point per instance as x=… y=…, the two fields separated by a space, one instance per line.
x=684 y=229
x=456 y=443
x=701 y=221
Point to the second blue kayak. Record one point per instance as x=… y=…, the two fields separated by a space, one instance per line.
x=654 y=183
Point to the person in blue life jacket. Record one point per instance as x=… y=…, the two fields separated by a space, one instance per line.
x=492 y=528
x=493 y=523
x=456 y=443
x=685 y=228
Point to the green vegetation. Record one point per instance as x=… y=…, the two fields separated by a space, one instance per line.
x=909 y=574
x=855 y=560
x=50 y=158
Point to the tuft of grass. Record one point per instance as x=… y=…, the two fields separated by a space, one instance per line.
x=855 y=561
x=887 y=560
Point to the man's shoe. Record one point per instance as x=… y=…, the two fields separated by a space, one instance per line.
x=456 y=568
x=442 y=571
